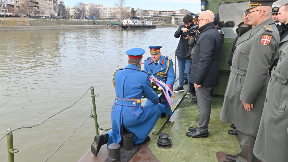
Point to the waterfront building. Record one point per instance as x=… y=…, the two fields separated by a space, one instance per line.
x=104 y=12
x=27 y=7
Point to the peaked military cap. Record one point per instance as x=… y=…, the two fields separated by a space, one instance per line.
x=135 y=53
x=275 y=9
x=256 y=3
x=154 y=49
x=195 y=17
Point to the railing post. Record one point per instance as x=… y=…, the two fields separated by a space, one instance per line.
x=94 y=110
x=10 y=146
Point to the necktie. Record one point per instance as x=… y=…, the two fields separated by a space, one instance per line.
x=156 y=63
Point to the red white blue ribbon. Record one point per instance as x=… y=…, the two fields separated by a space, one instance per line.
x=166 y=89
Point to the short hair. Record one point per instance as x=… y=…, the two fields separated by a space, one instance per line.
x=187 y=19
x=134 y=61
x=216 y=19
x=285 y=7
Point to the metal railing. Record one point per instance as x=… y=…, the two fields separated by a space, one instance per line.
x=9 y=134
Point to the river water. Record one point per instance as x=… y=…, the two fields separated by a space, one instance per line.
x=44 y=72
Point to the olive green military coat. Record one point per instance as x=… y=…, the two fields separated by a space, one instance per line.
x=272 y=137
x=255 y=52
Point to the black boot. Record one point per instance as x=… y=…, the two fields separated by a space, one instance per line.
x=99 y=141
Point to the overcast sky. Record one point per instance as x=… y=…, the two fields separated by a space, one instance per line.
x=169 y=5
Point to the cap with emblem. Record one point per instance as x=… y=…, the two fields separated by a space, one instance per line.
x=135 y=53
x=256 y=3
x=154 y=49
x=195 y=17
x=275 y=10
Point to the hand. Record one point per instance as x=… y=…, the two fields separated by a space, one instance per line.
x=247 y=107
x=188 y=37
x=185 y=30
x=196 y=86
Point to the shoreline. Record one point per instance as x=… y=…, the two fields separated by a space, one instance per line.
x=66 y=27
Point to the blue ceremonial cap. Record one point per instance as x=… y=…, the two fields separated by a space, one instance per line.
x=135 y=53
x=195 y=17
x=154 y=49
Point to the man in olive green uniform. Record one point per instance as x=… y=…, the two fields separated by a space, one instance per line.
x=247 y=84
x=272 y=138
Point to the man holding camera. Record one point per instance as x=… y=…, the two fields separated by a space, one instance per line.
x=184 y=63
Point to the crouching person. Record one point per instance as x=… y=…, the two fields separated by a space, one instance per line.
x=127 y=113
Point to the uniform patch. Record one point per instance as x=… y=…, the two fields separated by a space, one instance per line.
x=266 y=39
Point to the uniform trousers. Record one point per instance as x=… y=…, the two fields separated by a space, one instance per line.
x=245 y=154
x=203 y=95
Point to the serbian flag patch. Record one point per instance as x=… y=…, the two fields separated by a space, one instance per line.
x=266 y=39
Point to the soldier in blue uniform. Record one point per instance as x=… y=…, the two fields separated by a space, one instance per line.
x=161 y=68
x=127 y=113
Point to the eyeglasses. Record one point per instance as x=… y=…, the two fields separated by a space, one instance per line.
x=199 y=20
x=248 y=12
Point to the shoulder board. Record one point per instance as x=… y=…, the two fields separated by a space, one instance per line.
x=268 y=28
x=148 y=58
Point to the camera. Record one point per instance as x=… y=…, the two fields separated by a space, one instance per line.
x=191 y=31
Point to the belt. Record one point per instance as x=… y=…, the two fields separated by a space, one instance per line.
x=279 y=77
x=236 y=71
x=137 y=100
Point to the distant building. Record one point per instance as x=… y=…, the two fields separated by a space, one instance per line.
x=27 y=7
x=104 y=12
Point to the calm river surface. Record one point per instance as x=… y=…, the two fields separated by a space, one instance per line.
x=44 y=72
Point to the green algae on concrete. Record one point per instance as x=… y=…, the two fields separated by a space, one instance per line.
x=189 y=149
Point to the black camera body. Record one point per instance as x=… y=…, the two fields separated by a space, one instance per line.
x=191 y=31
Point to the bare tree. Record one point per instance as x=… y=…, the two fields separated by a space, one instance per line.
x=26 y=8
x=93 y=11
x=123 y=10
x=80 y=11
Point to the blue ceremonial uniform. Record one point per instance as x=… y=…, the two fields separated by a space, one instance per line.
x=164 y=71
x=130 y=84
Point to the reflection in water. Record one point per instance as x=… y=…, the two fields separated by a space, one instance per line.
x=43 y=72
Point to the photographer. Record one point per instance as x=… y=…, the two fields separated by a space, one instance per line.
x=193 y=30
x=182 y=50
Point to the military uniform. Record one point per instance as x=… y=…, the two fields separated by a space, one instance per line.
x=164 y=71
x=272 y=138
x=127 y=112
x=255 y=52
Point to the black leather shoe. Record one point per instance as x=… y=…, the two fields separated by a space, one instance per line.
x=193 y=99
x=99 y=141
x=233 y=126
x=163 y=115
x=231 y=157
x=197 y=134
x=147 y=139
x=233 y=132
x=191 y=129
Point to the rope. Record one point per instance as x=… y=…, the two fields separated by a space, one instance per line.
x=48 y=117
x=66 y=139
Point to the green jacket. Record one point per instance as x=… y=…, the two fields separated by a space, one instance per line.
x=272 y=138
x=255 y=52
